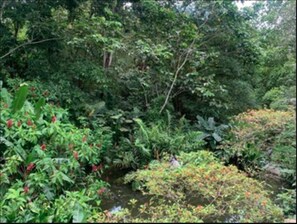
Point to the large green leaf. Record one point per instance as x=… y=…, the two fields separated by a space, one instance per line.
x=216 y=137
x=38 y=107
x=20 y=98
x=21 y=152
x=211 y=124
x=6 y=142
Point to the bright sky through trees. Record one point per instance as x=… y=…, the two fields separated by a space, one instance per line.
x=245 y=3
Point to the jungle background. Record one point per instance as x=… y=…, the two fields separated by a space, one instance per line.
x=98 y=94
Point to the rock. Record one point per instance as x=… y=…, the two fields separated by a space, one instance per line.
x=174 y=164
x=115 y=209
x=292 y=101
x=273 y=169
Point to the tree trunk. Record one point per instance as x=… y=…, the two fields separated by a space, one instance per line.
x=107 y=59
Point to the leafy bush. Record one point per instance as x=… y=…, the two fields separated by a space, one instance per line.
x=278 y=97
x=155 y=140
x=48 y=166
x=218 y=191
x=265 y=136
x=155 y=212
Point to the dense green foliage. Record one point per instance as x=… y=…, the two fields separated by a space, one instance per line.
x=88 y=85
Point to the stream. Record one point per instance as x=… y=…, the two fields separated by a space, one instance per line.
x=121 y=194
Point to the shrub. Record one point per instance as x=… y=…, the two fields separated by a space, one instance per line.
x=219 y=191
x=278 y=98
x=265 y=136
x=48 y=165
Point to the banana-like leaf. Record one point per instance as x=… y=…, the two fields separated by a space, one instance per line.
x=38 y=107
x=211 y=123
x=20 y=98
x=217 y=137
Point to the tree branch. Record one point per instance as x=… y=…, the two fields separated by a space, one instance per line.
x=175 y=76
x=25 y=44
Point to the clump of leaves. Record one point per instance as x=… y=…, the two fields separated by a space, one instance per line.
x=212 y=133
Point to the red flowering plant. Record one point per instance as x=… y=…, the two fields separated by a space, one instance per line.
x=44 y=158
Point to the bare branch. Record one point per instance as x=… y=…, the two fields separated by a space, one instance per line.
x=175 y=76
x=25 y=44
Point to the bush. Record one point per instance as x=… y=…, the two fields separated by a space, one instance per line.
x=48 y=166
x=265 y=136
x=218 y=192
x=278 y=97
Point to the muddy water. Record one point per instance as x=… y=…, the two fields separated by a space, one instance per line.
x=121 y=194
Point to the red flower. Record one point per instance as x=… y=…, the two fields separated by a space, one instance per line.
x=84 y=138
x=43 y=147
x=54 y=119
x=30 y=167
x=29 y=122
x=75 y=155
x=9 y=123
x=94 y=168
x=101 y=191
x=26 y=189
x=19 y=123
